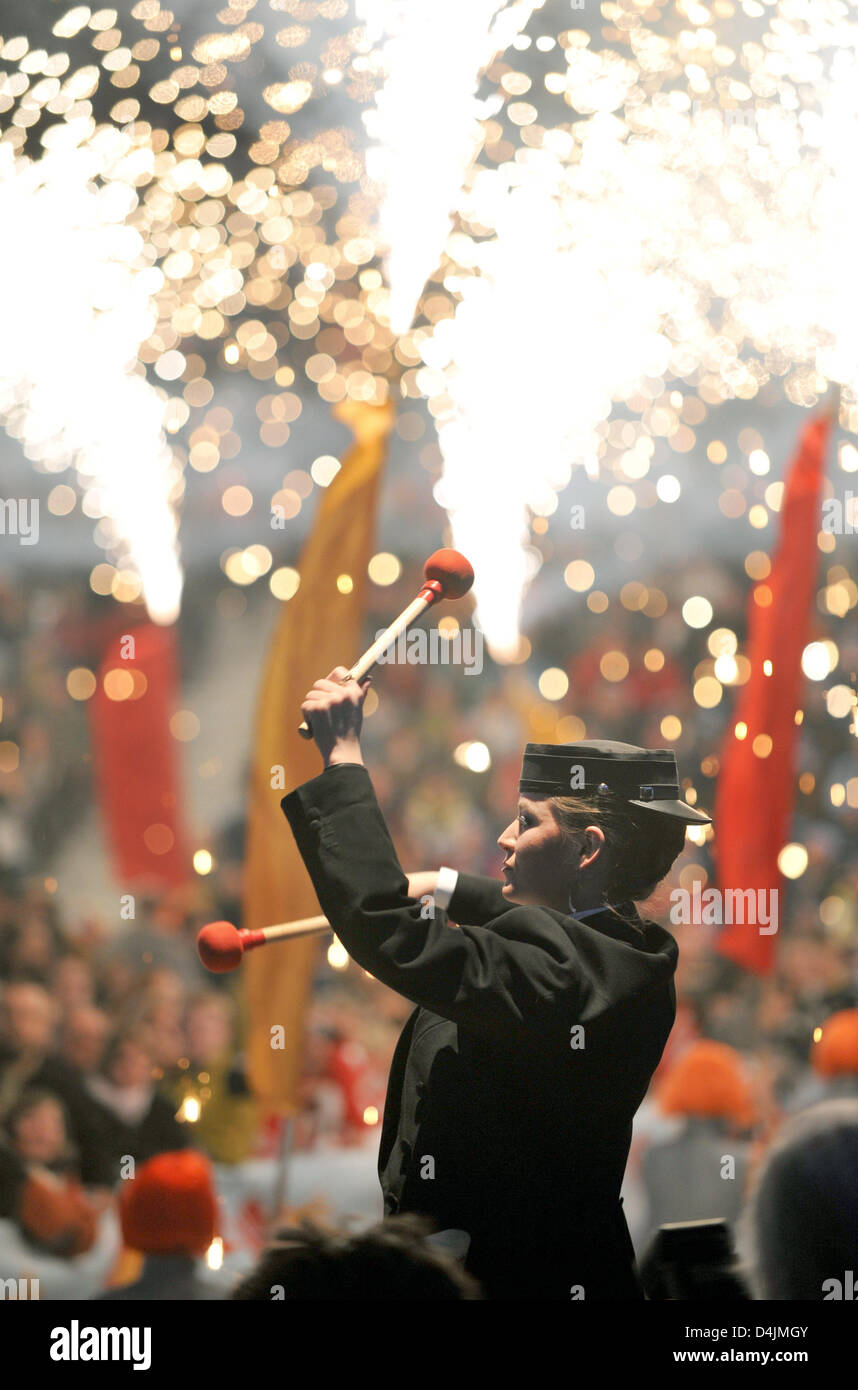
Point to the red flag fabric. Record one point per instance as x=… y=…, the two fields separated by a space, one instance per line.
x=136 y=768
x=756 y=789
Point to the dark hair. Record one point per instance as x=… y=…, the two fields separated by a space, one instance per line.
x=28 y=1101
x=642 y=845
x=33 y=1098
x=389 y=1261
x=800 y=1225
x=130 y=1036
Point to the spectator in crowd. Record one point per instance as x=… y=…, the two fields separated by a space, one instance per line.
x=50 y=1204
x=83 y=1039
x=391 y=1261
x=701 y=1172
x=229 y=1115
x=123 y=1116
x=37 y=1131
x=28 y=1017
x=168 y=1213
x=799 y=1235
x=72 y=982
x=34 y=941
x=835 y=1054
x=834 y=1062
x=156 y=1009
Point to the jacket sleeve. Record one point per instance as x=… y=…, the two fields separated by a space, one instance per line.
x=477 y=899
x=500 y=979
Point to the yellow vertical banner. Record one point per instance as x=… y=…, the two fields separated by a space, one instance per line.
x=320 y=627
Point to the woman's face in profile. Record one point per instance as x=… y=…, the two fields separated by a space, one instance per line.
x=535 y=862
x=541 y=864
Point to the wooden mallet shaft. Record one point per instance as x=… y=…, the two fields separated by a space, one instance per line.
x=417 y=606
x=447 y=575
x=302 y=926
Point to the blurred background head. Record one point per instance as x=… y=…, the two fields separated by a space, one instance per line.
x=28 y=1017
x=72 y=981
x=36 y=1129
x=835 y=1050
x=170 y=1206
x=83 y=1037
x=801 y=1226
x=209 y=1026
x=127 y=1062
x=708 y=1081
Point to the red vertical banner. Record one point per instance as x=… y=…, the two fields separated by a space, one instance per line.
x=756 y=784
x=136 y=768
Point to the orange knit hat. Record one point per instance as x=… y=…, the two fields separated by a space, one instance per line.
x=708 y=1079
x=170 y=1207
x=836 y=1052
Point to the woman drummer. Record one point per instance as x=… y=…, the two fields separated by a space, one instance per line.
x=540 y=1017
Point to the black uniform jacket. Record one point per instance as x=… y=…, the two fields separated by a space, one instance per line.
x=514 y=1082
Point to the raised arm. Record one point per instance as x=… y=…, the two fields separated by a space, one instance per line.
x=504 y=981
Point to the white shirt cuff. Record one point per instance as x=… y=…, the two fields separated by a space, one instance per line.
x=445 y=887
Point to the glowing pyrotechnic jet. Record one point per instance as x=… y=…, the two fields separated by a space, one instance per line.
x=426 y=123
x=77 y=303
x=574 y=334
x=702 y=232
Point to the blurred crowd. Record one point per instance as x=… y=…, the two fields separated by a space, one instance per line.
x=116 y=1045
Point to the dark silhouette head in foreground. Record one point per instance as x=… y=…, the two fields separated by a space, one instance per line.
x=390 y=1261
x=801 y=1228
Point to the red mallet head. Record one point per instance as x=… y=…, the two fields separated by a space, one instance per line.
x=452 y=571
x=220 y=947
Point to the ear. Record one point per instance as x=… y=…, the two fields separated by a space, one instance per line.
x=594 y=844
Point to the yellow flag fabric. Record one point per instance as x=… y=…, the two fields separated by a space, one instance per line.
x=320 y=628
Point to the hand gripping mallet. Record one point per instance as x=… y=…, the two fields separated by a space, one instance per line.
x=447 y=575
